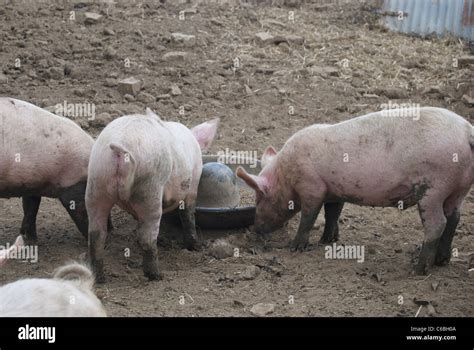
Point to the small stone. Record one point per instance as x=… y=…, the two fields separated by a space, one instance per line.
x=467 y=100
x=431 y=90
x=326 y=70
x=250 y=273
x=248 y=90
x=163 y=97
x=184 y=39
x=434 y=286
x=175 y=56
x=190 y=11
x=129 y=86
x=129 y=98
x=431 y=310
x=377 y=277
x=464 y=61
x=145 y=97
x=92 y=18
x=264 y=38
x=175 y=90
x=67 y=69
x=262 y=309
x=221 y=249
x=108 y=31
x=294 y=39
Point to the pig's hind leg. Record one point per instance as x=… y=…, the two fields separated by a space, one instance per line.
x=434 y=222
x=147 y=234
x=30 y=210
x=188 y=221
x=452 y=211
x=332 y=211
x=99 y=211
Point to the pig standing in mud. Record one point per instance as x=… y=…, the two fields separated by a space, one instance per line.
x=148 y=167
x=376 y=160
x=42 y=154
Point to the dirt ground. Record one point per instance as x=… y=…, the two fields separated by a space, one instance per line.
x=335 y=63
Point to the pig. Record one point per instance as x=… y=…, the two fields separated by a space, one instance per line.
x=68 y=294
x=148 y=167
x=42 y=155
x=377 y=160
x=4 y=253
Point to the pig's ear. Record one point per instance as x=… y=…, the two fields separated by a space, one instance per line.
x=268 y=155
x=150 y=113
x=205 y=133
x=256 y=182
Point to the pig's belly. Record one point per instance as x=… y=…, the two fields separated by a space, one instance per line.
x=23 y=190
x=402 y=195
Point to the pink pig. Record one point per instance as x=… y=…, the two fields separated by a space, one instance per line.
x=42 y=155
x=379 y=159
x=148 y=167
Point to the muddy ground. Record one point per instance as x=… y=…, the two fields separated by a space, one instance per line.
x=333 y=63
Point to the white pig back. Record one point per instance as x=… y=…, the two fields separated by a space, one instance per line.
x=148 y=143
x=48 y=298
x=39 y=149
x=378 y=153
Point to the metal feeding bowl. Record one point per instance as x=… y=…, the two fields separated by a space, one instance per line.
x=217 y=187
x=224 y=201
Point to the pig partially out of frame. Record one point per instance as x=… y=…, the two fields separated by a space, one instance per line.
x=42 y=155
x=378 y=159
x=148 y=167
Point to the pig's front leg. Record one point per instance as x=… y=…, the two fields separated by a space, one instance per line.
x=147 y=234
x=309 y=215
x=332 y=211
x=30 y=210
x=434 y=222
x=187 y=217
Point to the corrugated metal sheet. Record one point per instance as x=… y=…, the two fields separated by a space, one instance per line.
x=425 y=17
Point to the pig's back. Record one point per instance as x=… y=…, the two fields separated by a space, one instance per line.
x=52 y=151
x=26 y=298
x=373 y=148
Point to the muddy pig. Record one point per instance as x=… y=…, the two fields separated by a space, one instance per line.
x=148 y=167
x=42 y=155
x=380 y=159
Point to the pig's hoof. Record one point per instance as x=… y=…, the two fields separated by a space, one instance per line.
x=153 y=276
x=298 y=245
x=192 y=245
x=442 y=259
x=327 y=240
x=420 y=269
